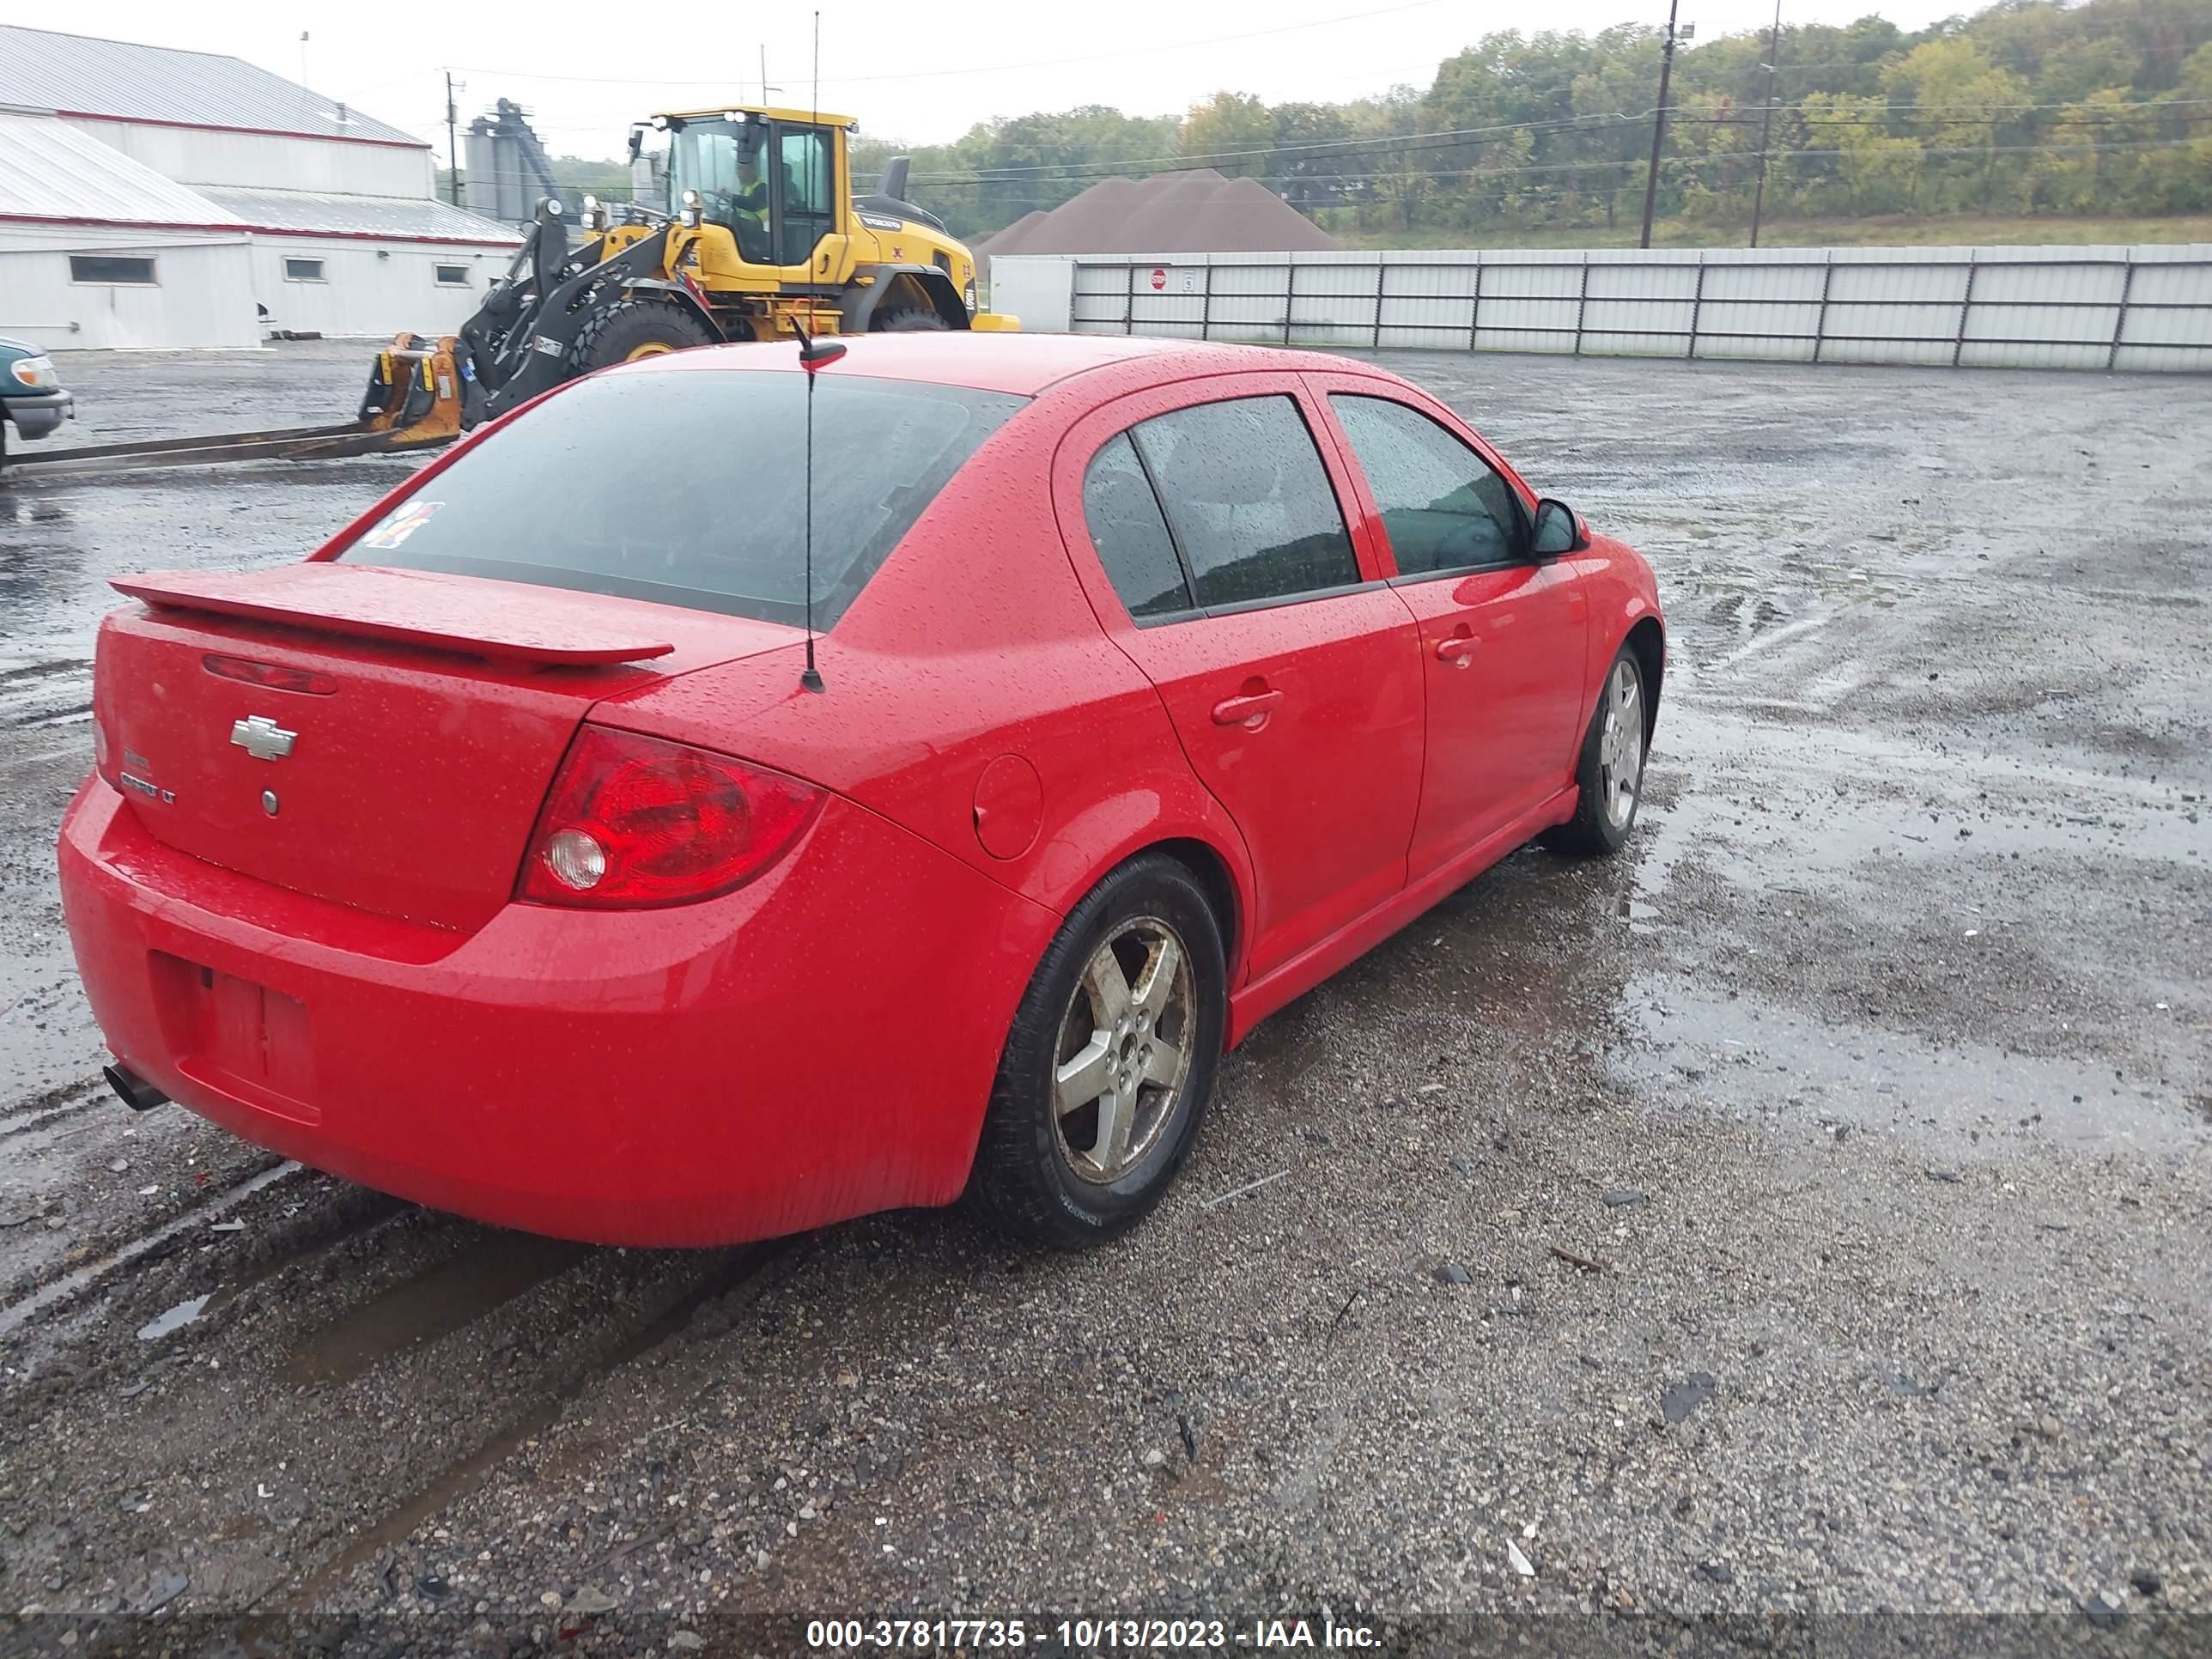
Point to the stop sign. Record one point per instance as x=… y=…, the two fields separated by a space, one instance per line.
x=1159 y=279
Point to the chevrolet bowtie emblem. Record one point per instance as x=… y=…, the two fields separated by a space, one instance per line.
x=262 y=737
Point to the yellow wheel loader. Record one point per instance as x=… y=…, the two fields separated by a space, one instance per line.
x=762 y=230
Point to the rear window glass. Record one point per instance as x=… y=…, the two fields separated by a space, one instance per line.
x=688 y=488
x=1132 y=538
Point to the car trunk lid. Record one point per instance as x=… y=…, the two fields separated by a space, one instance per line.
x=382 y=738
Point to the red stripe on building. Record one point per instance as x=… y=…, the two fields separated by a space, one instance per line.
x=258 y=230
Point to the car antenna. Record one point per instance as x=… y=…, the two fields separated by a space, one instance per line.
x=812 y=355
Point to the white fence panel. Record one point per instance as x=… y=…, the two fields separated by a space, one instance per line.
x=1267 y=279
x=2132 y=308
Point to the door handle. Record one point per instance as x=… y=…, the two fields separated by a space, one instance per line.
x=1458 y=650
x=1249 y=708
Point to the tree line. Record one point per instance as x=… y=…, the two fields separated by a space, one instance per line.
x=2028 y=108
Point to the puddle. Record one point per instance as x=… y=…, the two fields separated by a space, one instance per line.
x=175 y=1319
x=1840 y=858
x=725 y=1272
x=1860 y=820
x=434 y=1303
x=200 y=1307
x=1760 y=1058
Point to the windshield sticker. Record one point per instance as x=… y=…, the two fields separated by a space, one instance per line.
x=400 y=522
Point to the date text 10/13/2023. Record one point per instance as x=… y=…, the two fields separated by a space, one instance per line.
x=1084 y=1635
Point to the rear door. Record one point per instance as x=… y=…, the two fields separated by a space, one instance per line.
x=1225 y=568
x=1502 y=634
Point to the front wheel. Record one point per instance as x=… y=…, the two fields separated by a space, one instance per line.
x=1611 y=772
x=1110 y=1065
x=632 y=329
x=908 y=320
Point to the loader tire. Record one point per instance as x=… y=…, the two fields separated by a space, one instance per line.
x=635 y=329
x=909 y=320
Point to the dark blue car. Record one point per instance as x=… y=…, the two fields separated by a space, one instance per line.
x=31 y=396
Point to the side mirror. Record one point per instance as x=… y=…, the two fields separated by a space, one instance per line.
x=1560 y=529
x=636 y=142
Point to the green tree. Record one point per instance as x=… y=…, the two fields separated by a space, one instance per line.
x=1958 y=101
x=1877 y=172
x=1308 y=167
x=1232 y=133
x=2102 y=107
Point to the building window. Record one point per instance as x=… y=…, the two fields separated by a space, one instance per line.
x=303 y=271
x=138 y=271
x=453 y=275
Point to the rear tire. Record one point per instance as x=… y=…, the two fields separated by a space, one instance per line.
x=1610 y=774
x=1145 y=1034
x=634 y=329
x=908 y=320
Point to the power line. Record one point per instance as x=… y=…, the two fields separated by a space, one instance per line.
x=1462 y=186
x=2096 y=114
x=1477 y=175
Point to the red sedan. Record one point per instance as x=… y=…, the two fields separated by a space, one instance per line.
x=500 y=856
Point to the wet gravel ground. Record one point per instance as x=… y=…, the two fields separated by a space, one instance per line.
x=1805 y=1213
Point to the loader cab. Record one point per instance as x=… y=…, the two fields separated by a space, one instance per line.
x=771 y=178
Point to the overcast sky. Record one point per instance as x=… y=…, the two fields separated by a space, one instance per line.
x=586 y=70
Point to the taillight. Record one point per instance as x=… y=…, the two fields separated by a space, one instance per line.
x=634 y=821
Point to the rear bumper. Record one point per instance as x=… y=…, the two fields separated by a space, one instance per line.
x=816 y=1045
x=36 y=414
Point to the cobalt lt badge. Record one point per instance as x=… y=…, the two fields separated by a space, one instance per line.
x=262 y=737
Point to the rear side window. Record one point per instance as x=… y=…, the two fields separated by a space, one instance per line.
x=1123 y=516
x=1251 y=506
x=687 y=487
x=1444 y=506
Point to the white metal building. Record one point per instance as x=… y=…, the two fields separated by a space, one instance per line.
x=150 y=197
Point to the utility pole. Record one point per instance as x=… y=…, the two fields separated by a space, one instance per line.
x=1659 y=121
x=453 y=145
x=1766 y=120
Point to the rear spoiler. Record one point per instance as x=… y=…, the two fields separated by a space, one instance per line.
x=506 y=622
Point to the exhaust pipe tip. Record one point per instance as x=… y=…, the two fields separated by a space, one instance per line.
x=132 y=1090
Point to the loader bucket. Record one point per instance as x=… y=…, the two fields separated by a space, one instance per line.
x=415 y=390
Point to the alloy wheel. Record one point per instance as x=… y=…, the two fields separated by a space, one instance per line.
x=1124 y=1047
x=1620 y=743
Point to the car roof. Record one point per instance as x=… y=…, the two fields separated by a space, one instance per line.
x=1024 y=365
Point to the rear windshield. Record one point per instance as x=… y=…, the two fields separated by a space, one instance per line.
x=688 y=486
